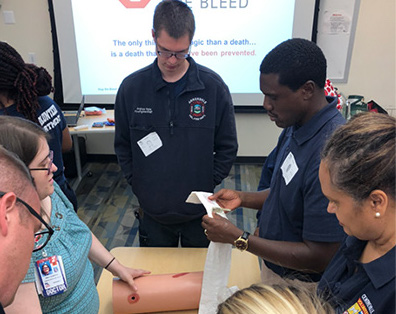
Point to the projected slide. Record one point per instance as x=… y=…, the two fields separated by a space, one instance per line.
x=113 y=39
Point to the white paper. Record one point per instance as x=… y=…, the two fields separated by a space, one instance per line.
x=150 y=143
x=210 y=206
x=336 y=23
x=289 y=168
x=217 y=264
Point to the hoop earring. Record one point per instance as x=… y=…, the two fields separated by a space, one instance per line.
x=377 y=215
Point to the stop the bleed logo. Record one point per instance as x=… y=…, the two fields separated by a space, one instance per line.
x=135 y=4
x=197 y=108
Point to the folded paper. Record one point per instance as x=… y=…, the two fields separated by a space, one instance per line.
x=203 y=198
x=158 y=293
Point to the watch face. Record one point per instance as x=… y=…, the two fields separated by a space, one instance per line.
x=241 y=244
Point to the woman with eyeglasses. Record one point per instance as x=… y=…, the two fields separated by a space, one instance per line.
x=70 y=288
x=24 y=90
x=357 y=175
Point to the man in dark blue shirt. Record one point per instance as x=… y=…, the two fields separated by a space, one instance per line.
x=297 y=237
x=175 y=133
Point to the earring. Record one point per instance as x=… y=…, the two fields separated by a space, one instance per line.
x=377 y=215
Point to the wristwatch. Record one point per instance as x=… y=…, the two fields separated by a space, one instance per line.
x=242 y=242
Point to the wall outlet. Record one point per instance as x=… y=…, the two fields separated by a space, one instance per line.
x=9 y=17
x=32 y=58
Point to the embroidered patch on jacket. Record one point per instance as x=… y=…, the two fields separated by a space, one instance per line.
x=363 y=306
x=197 y=108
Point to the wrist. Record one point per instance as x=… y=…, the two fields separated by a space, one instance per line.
x=109 y=263
x=241 y=196
x=115 y=268
x=242 y=242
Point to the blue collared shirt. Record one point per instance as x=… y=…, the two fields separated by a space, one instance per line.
x=360 y=288
x=297 y=211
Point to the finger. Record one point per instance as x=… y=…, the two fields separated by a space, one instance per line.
x=205 y=219
x=143 y=272
x=216 y=195
x=128 y=278
x=133 y=286
x=217 y=216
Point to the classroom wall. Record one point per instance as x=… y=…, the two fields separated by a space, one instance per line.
x=373 y=63
x=372 y=69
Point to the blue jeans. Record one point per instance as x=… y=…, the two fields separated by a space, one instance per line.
x=154 y=234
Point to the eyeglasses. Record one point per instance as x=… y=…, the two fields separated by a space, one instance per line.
x=168 y=54
x=48 y=169
x=41 y=238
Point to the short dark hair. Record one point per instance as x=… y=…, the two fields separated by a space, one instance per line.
x=175 y=17
x=296 y=61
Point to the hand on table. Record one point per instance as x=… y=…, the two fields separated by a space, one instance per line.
x=127 y=274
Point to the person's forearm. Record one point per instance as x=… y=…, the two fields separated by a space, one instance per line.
x=67 y=143
x=124 y=157
x=307 y=256
x=303 y=256
x=254 y=200
x=122 y=140
x=102 y=257
x=223 y=162
x=98 y=253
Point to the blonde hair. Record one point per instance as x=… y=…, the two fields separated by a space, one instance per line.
x=275 y=299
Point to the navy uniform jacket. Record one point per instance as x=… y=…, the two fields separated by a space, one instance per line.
x=353 y=287
x=196 y=125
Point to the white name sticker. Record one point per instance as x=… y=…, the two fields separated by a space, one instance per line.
x=289 y=168
x=150 y=143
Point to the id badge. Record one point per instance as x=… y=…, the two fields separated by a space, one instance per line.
x=50 y=276
x=150 y=143
x=289 y=168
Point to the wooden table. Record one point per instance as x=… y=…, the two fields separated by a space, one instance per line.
x=244 y=271
x=88 y=121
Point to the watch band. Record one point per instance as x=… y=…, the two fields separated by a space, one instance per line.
x=245 y=235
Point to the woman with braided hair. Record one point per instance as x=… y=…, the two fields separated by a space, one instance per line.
x=23 y=93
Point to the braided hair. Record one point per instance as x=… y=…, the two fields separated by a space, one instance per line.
x=18 y=82
x=44 y=80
